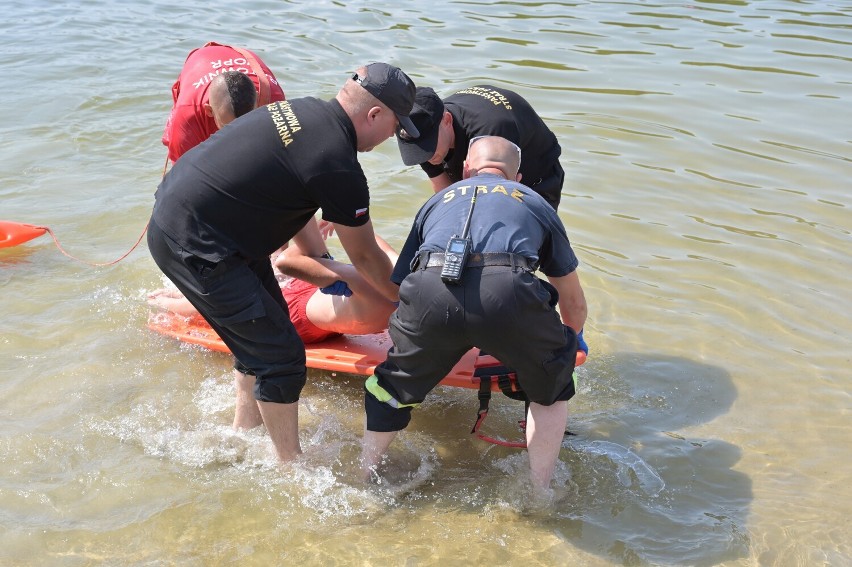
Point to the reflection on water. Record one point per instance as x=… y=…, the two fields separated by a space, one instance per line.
x=707 y=161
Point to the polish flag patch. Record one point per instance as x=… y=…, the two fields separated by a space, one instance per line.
x=360 y=212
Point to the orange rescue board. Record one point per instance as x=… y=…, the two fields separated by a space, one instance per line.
x=350 y=354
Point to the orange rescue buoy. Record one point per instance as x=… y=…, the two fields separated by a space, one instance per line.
x=14 y=233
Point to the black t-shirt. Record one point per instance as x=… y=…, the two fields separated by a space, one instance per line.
x=507 y=217
x=488 y=111
x=255 y=183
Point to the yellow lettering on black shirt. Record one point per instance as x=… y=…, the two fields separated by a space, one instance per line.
x=285 y=120
x=492 y=95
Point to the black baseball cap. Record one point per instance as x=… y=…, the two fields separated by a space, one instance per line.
x=393 y=87
x=427 y=114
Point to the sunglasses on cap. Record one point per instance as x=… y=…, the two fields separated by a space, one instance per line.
x=405 y=136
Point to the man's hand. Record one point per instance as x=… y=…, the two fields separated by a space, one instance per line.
x=326 y=228
x=337 y=288
x=581 y=343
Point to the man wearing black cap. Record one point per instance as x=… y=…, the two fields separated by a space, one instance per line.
x=445 y=128
x=232 y=200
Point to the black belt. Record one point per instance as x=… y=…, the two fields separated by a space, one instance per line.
x=476 y=260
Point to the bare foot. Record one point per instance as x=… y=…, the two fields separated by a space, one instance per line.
x=171 y=300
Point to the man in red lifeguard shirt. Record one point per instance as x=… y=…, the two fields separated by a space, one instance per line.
x=207 y=96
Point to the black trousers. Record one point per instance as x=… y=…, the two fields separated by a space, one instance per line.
x=242 y=301
x=510 y=313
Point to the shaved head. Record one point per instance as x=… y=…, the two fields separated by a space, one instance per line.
x=493 y=152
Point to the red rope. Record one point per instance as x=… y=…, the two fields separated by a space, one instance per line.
x=117 y=260
x=97 y=264
x=514 y=444
x=501 y=442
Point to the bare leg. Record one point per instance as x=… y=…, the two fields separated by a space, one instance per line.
x=373 y=446
x=282 y=423
x=545 y=429
x=247 y=414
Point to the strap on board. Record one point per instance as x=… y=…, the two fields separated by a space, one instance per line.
x=488 y=370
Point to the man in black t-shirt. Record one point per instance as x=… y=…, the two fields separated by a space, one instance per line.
x=235 y=198
x=499 y=305
x=446 y=127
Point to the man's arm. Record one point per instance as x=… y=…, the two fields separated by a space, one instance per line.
x=572 y=300
x=440 y=182
x=368 y=258
x=322 y=272
x=303 y=260
x=300 y=258
x=387 y=249
x=310 y=240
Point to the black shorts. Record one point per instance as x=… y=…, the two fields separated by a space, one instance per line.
x=242 y=301
x=510 y=314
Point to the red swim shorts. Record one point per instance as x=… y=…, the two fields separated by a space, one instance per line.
x=296 y=294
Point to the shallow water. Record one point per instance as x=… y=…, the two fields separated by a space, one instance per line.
x=708 y=158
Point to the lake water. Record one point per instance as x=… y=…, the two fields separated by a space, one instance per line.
x=708 y=153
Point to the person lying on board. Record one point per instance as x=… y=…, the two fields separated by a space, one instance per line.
x=326 y=298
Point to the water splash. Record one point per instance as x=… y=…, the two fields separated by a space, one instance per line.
x=626 y=461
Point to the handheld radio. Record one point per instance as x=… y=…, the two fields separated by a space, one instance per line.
x=458 y=250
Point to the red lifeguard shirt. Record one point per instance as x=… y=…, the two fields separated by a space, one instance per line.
x=188 y=125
